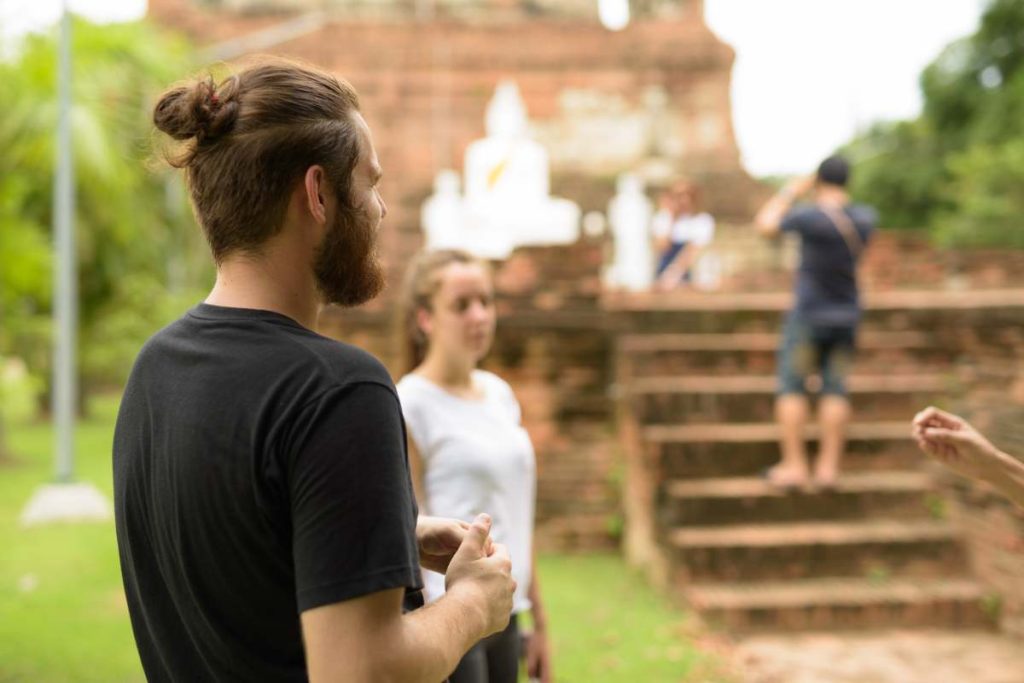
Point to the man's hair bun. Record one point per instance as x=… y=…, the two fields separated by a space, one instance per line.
x=199 y=110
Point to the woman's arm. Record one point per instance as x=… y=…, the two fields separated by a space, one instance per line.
x=416 y=472
x=538 y=652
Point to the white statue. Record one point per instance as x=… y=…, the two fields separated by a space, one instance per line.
x=442 y=213
x=629 y=213
x=506 y=166
x=507 y=201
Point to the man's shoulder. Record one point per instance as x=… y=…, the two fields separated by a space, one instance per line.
x=804 y=212
x=280 y=355
x=863 y=213
x=337 y=362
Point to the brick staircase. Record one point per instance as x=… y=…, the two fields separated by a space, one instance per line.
x=695 y=415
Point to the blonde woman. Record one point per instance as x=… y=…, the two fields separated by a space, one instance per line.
x=468 y=451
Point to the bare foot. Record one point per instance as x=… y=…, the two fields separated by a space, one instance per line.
x=787 y=479
x=825 y=478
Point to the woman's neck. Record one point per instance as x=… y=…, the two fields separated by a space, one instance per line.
x=442 y=371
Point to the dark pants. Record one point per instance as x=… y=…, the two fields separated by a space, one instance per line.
x=494 y=659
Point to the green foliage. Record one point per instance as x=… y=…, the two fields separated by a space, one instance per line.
x=899 y=170
x=987 y=189
x=957 y=169
x=132 y=223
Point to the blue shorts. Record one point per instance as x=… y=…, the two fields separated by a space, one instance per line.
x=808 y=349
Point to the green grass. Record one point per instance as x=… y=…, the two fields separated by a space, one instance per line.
x=608 y=625
x=62 y=611
x=63 y=616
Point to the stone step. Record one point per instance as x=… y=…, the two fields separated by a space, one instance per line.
x=709 y=398
x=636 y=344
x=737 y=450
x=764 y=432
x=762 y=384
x=900 y=300
x=648 y=355
x=842 y=604
x=763 y=311
x=736 y=500
x=924 y=548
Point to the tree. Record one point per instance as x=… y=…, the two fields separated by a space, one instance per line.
x=954 y=170
x=137 y=242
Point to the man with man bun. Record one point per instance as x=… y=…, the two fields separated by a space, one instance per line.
x=265 y=519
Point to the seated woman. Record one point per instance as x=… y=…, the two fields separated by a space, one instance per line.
x=468 y=452
x=681 y=233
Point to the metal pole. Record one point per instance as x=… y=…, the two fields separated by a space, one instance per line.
x=66 y=270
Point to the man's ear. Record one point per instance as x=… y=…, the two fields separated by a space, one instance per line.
x=315 y=185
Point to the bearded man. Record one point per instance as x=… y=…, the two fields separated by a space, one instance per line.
x=265 y=519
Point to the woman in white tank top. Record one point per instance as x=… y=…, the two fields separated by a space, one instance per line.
x=468 y=451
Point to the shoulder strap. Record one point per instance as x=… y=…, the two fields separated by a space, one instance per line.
x=846 y=229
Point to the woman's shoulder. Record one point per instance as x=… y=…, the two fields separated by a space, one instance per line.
x=490 y=381
x=412 y=388
x=499 y=392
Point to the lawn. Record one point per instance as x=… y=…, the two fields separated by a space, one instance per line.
x=63 y=616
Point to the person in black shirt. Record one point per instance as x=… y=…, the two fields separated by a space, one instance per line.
x=265 y=519
x=819 y=333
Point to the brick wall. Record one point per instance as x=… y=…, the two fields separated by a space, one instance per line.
x=652 y=99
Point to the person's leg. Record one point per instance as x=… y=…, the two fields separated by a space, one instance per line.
x=833 y=417
x=791 y=407
x=834 y=408
x=473 y=666
x=503 y=654
x=791 y=412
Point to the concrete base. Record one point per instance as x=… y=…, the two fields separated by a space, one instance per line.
x=76 y=502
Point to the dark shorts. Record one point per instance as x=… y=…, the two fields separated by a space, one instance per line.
x=668 y=256
x=494 y=659
x=808 y=349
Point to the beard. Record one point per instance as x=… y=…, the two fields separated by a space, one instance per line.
x=346 y=267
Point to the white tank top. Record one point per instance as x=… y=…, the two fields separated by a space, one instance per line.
x=476 y=458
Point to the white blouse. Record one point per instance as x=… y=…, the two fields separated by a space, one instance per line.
x=476 y=458
x=698 y=228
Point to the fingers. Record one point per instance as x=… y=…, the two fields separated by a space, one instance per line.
x=500 y=553
x=932 y=416
x=946 y=435
x=479 y=531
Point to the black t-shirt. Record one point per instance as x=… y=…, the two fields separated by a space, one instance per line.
x=826 y=282
x=259 y=471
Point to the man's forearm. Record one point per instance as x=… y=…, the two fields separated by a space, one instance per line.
x=432 y=640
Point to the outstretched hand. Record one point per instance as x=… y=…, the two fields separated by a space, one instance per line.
x=953 y=442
